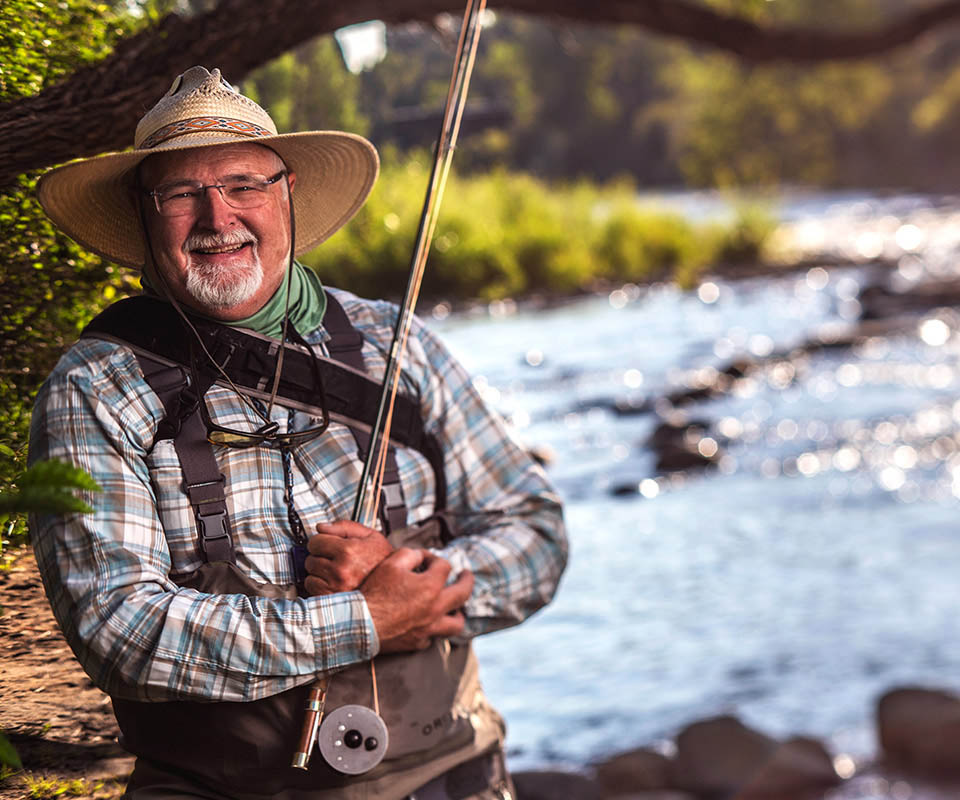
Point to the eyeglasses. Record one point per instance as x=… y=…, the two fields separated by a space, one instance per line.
x=180 y=198
x=265 y=434
x=268 y=432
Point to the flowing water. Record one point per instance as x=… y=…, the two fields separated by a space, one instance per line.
x=816 y=566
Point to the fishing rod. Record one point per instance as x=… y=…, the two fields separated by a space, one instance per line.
x=367 y=500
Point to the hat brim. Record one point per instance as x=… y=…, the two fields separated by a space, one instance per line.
x=92 y=200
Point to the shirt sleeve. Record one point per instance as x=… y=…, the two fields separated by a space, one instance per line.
x=136 y=633
x=507 y=517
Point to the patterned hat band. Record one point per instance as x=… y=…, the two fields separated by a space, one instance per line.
x=205 y=125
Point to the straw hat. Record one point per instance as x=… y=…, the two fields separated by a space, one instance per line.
x=91 y=199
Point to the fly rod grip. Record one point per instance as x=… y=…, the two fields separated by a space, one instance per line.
x=311 y=724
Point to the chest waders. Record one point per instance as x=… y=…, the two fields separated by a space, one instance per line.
x=430 y=700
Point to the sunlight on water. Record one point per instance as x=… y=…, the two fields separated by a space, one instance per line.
x=800 y=561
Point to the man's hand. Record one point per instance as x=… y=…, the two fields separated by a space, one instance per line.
x=410 y=602
x=342 y=555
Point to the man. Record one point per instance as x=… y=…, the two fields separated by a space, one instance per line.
x=207 y=606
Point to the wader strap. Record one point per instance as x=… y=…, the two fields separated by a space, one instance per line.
x=150 y=325
x=168 y=383
x=202 y=479
x=345 y=346
x=146 y=323
x=346 y=342
x=204 y=485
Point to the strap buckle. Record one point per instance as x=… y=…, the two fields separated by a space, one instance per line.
x=215 y=538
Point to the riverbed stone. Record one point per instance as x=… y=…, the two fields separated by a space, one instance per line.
x=674 y=444
x=800 y=767
x=720 y=755
x=880 y=301
x=919 y=729
x=555 y=785
x=640 y=770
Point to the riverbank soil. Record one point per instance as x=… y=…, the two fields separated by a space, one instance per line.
x=61 y=725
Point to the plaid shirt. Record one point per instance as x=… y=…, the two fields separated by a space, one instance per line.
x=110 y=575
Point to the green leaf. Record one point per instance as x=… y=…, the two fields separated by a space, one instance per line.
x=7 y=451
x=42 y=499
x=45 y=488
x=8 y=754
x=56 y=474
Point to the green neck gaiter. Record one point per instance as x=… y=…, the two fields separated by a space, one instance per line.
x=308 y=302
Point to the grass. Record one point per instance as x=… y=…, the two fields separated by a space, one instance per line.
x=506 y=234
x=44 y=787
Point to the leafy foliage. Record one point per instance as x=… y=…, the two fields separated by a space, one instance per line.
x=49 y=287
x=558 y=101
x=288 y=87
x=8 y=754
x=42 y=41
x=735 y=125
x=43 y=787
x=504 y=234
x=45 y=488
x=564 y=101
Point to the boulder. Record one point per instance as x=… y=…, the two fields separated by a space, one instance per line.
x=799 y=768
x=546 y=785
x=718 y=756
x=919 y=729
x=639 y=770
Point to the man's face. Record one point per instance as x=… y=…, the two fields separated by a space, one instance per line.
x=222 y=261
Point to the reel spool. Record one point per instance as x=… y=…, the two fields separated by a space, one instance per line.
x=353 y=739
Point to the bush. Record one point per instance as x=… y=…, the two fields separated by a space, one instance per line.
x=504 y=234
x=49 y=286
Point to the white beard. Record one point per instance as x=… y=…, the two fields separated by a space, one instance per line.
x=223 y=284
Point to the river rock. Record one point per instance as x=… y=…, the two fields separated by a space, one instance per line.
x=919 y=729
x=718 y=756
x=639 y=770
x=698 y=394
x=676 y=449
x=879 y=301
x=799 y=768
x=555 y=786
x=922 y=296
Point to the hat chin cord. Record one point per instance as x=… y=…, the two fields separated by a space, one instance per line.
x=168 y=295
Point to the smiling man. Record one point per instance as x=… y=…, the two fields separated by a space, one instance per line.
x=226 y=416
x=211 y=247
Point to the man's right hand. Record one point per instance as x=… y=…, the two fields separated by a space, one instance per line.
x=410 y=601
x=342 y=555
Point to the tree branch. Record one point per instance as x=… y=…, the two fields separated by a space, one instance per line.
x=96 y=109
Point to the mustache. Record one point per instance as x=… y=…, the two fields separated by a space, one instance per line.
x=210 y=241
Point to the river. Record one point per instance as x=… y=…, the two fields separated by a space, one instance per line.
x=815 y=567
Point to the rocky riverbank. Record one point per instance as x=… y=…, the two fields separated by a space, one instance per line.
x=723 y=759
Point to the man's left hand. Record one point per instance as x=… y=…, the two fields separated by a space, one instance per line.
x=342 y=554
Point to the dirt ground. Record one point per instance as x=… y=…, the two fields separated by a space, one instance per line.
x=61 y=725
